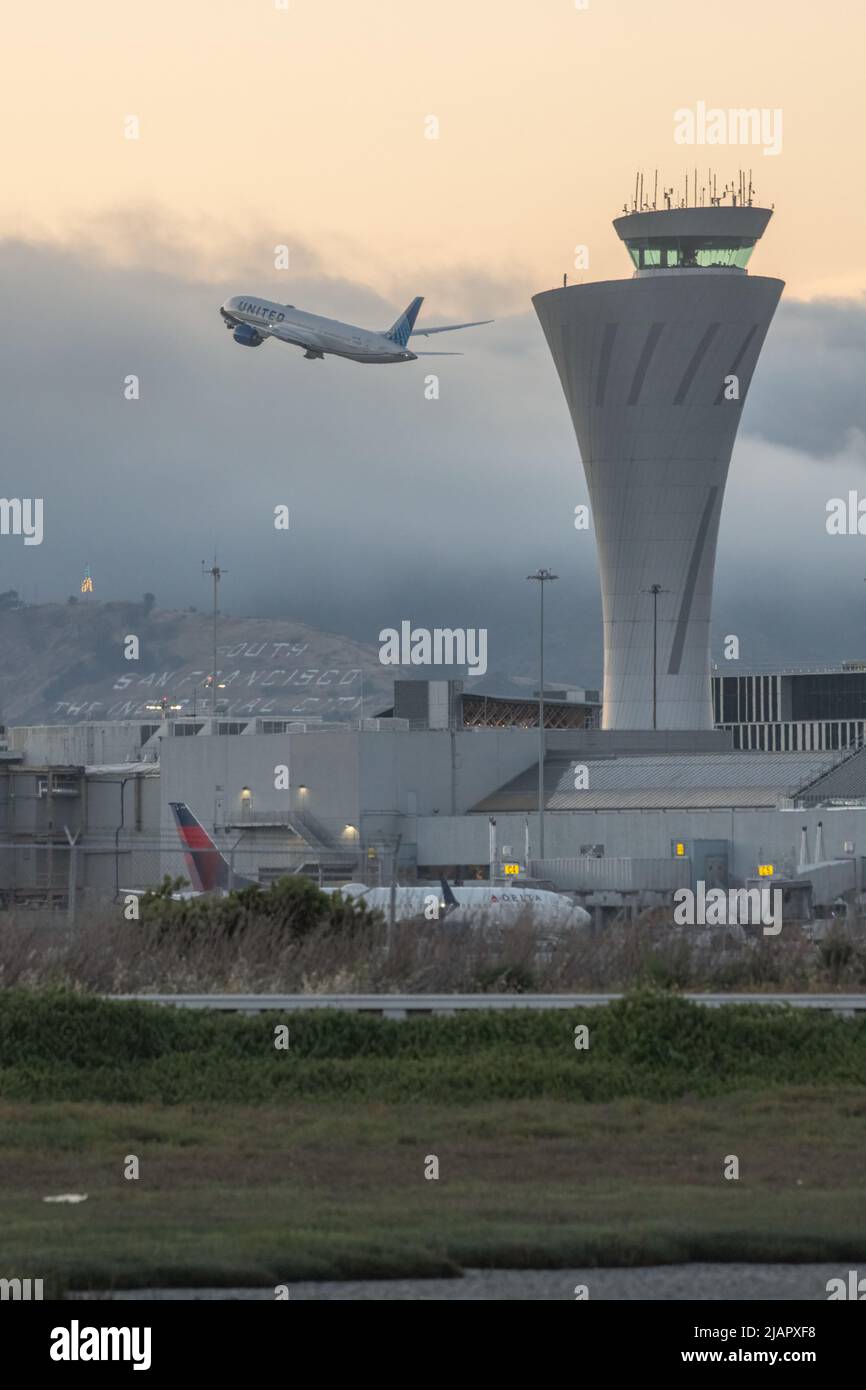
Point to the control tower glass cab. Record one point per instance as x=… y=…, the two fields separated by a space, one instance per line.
x=655 y=370
x=713 y=238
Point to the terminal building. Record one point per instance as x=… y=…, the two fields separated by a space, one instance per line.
x=626 y=812
x=795 y=710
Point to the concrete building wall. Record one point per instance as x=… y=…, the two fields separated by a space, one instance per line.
x=347 y=774
x=80 y=745
x=642 y=364
x=209 y=773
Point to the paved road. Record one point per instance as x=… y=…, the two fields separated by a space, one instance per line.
x=400 y=1005
x=705 y=1282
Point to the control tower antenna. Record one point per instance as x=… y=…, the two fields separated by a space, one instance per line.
x=655 y=190
x=634 y=204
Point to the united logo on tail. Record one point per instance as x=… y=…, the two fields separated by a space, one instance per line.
x=401 y=331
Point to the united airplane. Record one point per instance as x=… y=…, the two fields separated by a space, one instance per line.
x=252 y=320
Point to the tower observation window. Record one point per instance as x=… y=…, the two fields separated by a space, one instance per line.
x=666 y=253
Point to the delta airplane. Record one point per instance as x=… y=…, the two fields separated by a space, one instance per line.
x=251 y=320
x=209 y=870
x=211 y=873
x=476 y=905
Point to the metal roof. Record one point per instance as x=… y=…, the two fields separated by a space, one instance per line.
x=846 y=779
x=698 y=780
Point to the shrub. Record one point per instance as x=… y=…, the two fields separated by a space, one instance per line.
x=294 y=904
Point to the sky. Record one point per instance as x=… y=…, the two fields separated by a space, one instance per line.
x=308 y=126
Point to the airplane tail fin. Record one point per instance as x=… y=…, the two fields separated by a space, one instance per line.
x=448 y=897
x=399 y=332
x=208 y=868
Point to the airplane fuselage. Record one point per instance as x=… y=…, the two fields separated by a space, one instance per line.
x=316 y=335
x=476 y=905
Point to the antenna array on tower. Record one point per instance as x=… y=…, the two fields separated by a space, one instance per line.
x=740 y=192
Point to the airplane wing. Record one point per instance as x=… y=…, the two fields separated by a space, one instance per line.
x=276 y=330
x=447 y=328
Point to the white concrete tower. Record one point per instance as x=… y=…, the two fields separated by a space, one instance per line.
x=645 y=365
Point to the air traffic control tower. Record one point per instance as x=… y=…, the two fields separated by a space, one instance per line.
x=655 y=371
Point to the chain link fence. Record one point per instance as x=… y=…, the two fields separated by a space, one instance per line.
x=57 y=876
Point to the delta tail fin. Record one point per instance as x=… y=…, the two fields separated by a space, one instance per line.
x=208 y=869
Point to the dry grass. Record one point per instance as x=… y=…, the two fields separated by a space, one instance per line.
x=104 y=953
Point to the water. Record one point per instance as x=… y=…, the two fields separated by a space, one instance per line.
x=705 y=1282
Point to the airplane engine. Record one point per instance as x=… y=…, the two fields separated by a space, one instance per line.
x=247 y=336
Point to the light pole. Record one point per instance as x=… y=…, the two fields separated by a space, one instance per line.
x=216 y=574
x=655 y=590
x=543 y=577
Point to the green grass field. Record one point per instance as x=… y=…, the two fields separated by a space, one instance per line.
x=259 y=1167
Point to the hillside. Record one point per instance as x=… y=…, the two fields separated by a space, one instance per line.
x=65 y=662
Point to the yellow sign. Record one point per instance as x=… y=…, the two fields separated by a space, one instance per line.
x=511 y=868
x=765 y=870
x=679 y=849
